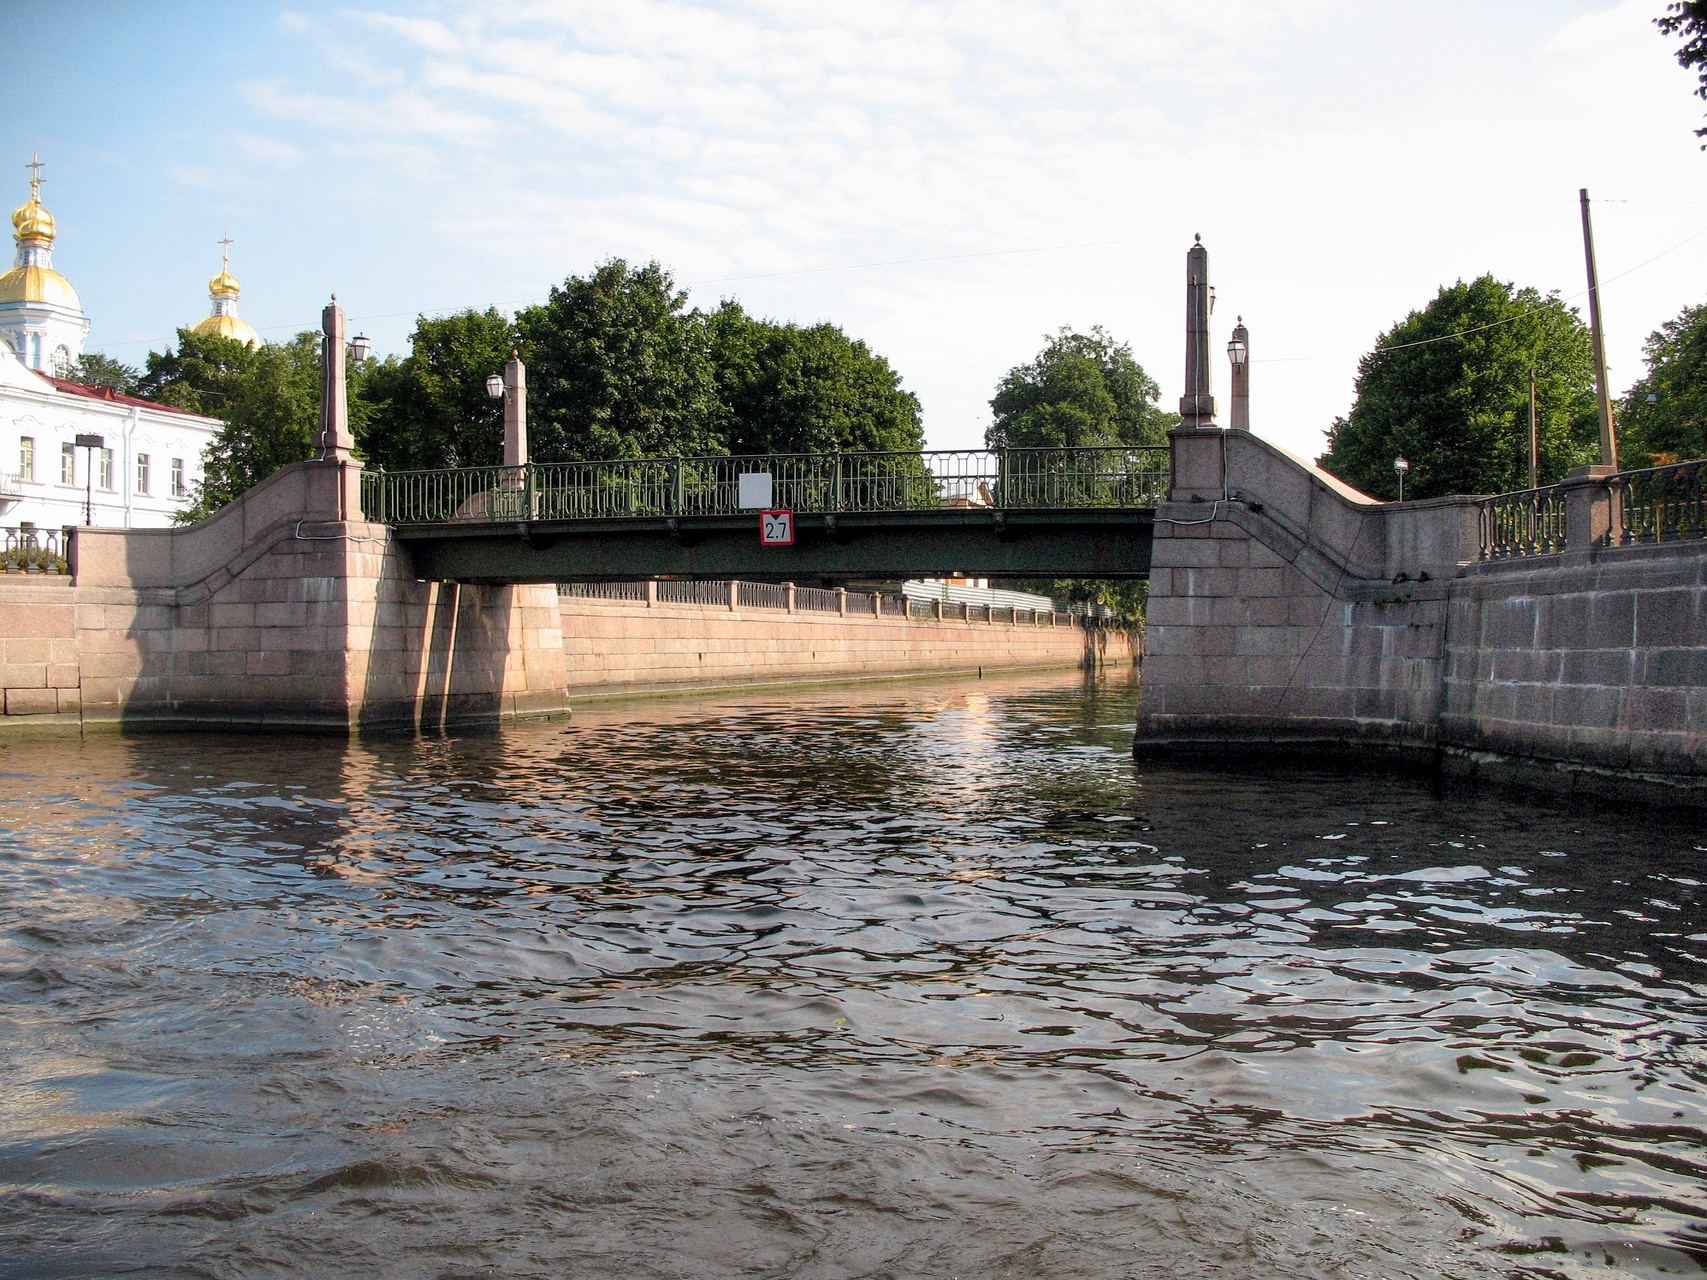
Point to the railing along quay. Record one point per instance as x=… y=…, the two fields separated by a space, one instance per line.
x=1010 y=479
x=737 y=594
x=1625 y=509
x=25 y=549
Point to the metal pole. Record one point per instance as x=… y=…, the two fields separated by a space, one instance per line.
x=1608 y=438
x=89 y=486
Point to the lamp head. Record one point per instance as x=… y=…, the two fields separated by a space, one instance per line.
x=495 y=386
x=1401 y=466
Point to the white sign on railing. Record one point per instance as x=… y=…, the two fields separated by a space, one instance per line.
x=753 y=490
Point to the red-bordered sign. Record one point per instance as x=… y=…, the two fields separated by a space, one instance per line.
x=776 y=528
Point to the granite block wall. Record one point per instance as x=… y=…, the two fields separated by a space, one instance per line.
x=615 y=645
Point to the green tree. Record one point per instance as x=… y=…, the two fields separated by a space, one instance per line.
x=788 y=389
x=430 y=409
x=93 y=369
x=268 y=398
x=1688 y=18
x=1664 y=417
x=1081 y=390
x=1448 y=389
x=619 y=368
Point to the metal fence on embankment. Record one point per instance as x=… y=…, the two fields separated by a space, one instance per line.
x=1002 y=479
x=1625 y=509
x=818 y=600
x=26 y=549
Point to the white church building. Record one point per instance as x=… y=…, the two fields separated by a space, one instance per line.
x=69 y=453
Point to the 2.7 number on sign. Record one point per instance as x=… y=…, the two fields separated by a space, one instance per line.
x=776 y=528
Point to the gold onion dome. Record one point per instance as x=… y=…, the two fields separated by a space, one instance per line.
x=39 y=284
x=223 y=290
x=30 y=281
x=32 y=221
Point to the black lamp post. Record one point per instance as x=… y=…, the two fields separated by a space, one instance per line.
x=91 y=443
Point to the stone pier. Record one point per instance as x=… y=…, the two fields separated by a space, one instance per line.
x=1292 y=615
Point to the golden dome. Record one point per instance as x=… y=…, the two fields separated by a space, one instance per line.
x=224 y=285
x=31 y=221
x=228 y=326
x=39 y=284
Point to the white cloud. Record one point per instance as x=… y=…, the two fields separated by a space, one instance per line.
x=1341 y=159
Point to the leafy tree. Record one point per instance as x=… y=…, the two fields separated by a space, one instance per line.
x=618 y=368
x=430 y=409
x=788 y=389
x=1688 y=18
x=93 y=369
x=1081 y=390
x=267 y=396
x=1672 y=426
x=1448 y=389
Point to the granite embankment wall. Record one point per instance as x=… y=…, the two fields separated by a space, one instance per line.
x=282 y=611
x=1291 y=614
x=619 y=645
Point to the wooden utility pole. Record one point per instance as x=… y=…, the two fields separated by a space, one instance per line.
x=1534 y=438
x=1608 y=437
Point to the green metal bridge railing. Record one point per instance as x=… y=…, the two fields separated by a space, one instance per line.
x=807 y=483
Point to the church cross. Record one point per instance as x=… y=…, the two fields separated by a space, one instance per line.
x=35 y=166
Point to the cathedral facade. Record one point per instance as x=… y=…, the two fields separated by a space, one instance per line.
x=72 y=454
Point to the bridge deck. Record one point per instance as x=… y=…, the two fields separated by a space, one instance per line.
x=1039 y=513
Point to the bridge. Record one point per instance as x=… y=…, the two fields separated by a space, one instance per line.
x=1015 y=513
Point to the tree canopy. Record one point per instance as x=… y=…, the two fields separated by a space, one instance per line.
x=1448 y=389
x=1083 y=389
x=430 y=409
x=618 y=367
x=784 y=388
x=1664 y=417
x=1688 y=18
x=93 y=369
x=267 y=396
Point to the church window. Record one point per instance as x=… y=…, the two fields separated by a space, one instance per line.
x=179 y=488
x=67 y=464
x=62 y=362
x=105 y=476
x=26 y=458
x=142 y=474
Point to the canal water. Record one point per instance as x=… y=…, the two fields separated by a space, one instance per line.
x=914 y=980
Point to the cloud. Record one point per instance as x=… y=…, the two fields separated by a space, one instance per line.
x=1404 y=144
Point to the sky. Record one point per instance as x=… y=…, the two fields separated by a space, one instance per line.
x=948 y=182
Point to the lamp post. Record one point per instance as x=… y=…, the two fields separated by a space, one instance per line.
x=1239 y=355
x=1401 y=466
x=90 y=443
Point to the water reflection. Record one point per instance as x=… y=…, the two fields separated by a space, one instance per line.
x=899 y=981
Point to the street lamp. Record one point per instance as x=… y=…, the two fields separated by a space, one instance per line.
x=1401 y=466
x=495 y=386
x=91 y=443
x=360 y=347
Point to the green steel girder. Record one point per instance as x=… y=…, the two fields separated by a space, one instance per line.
x=975 y=541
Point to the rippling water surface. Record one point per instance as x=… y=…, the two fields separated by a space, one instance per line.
x=926 y=980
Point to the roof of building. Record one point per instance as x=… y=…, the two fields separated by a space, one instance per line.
x=113 y=397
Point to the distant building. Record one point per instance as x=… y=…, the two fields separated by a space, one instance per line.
x=150 y=456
